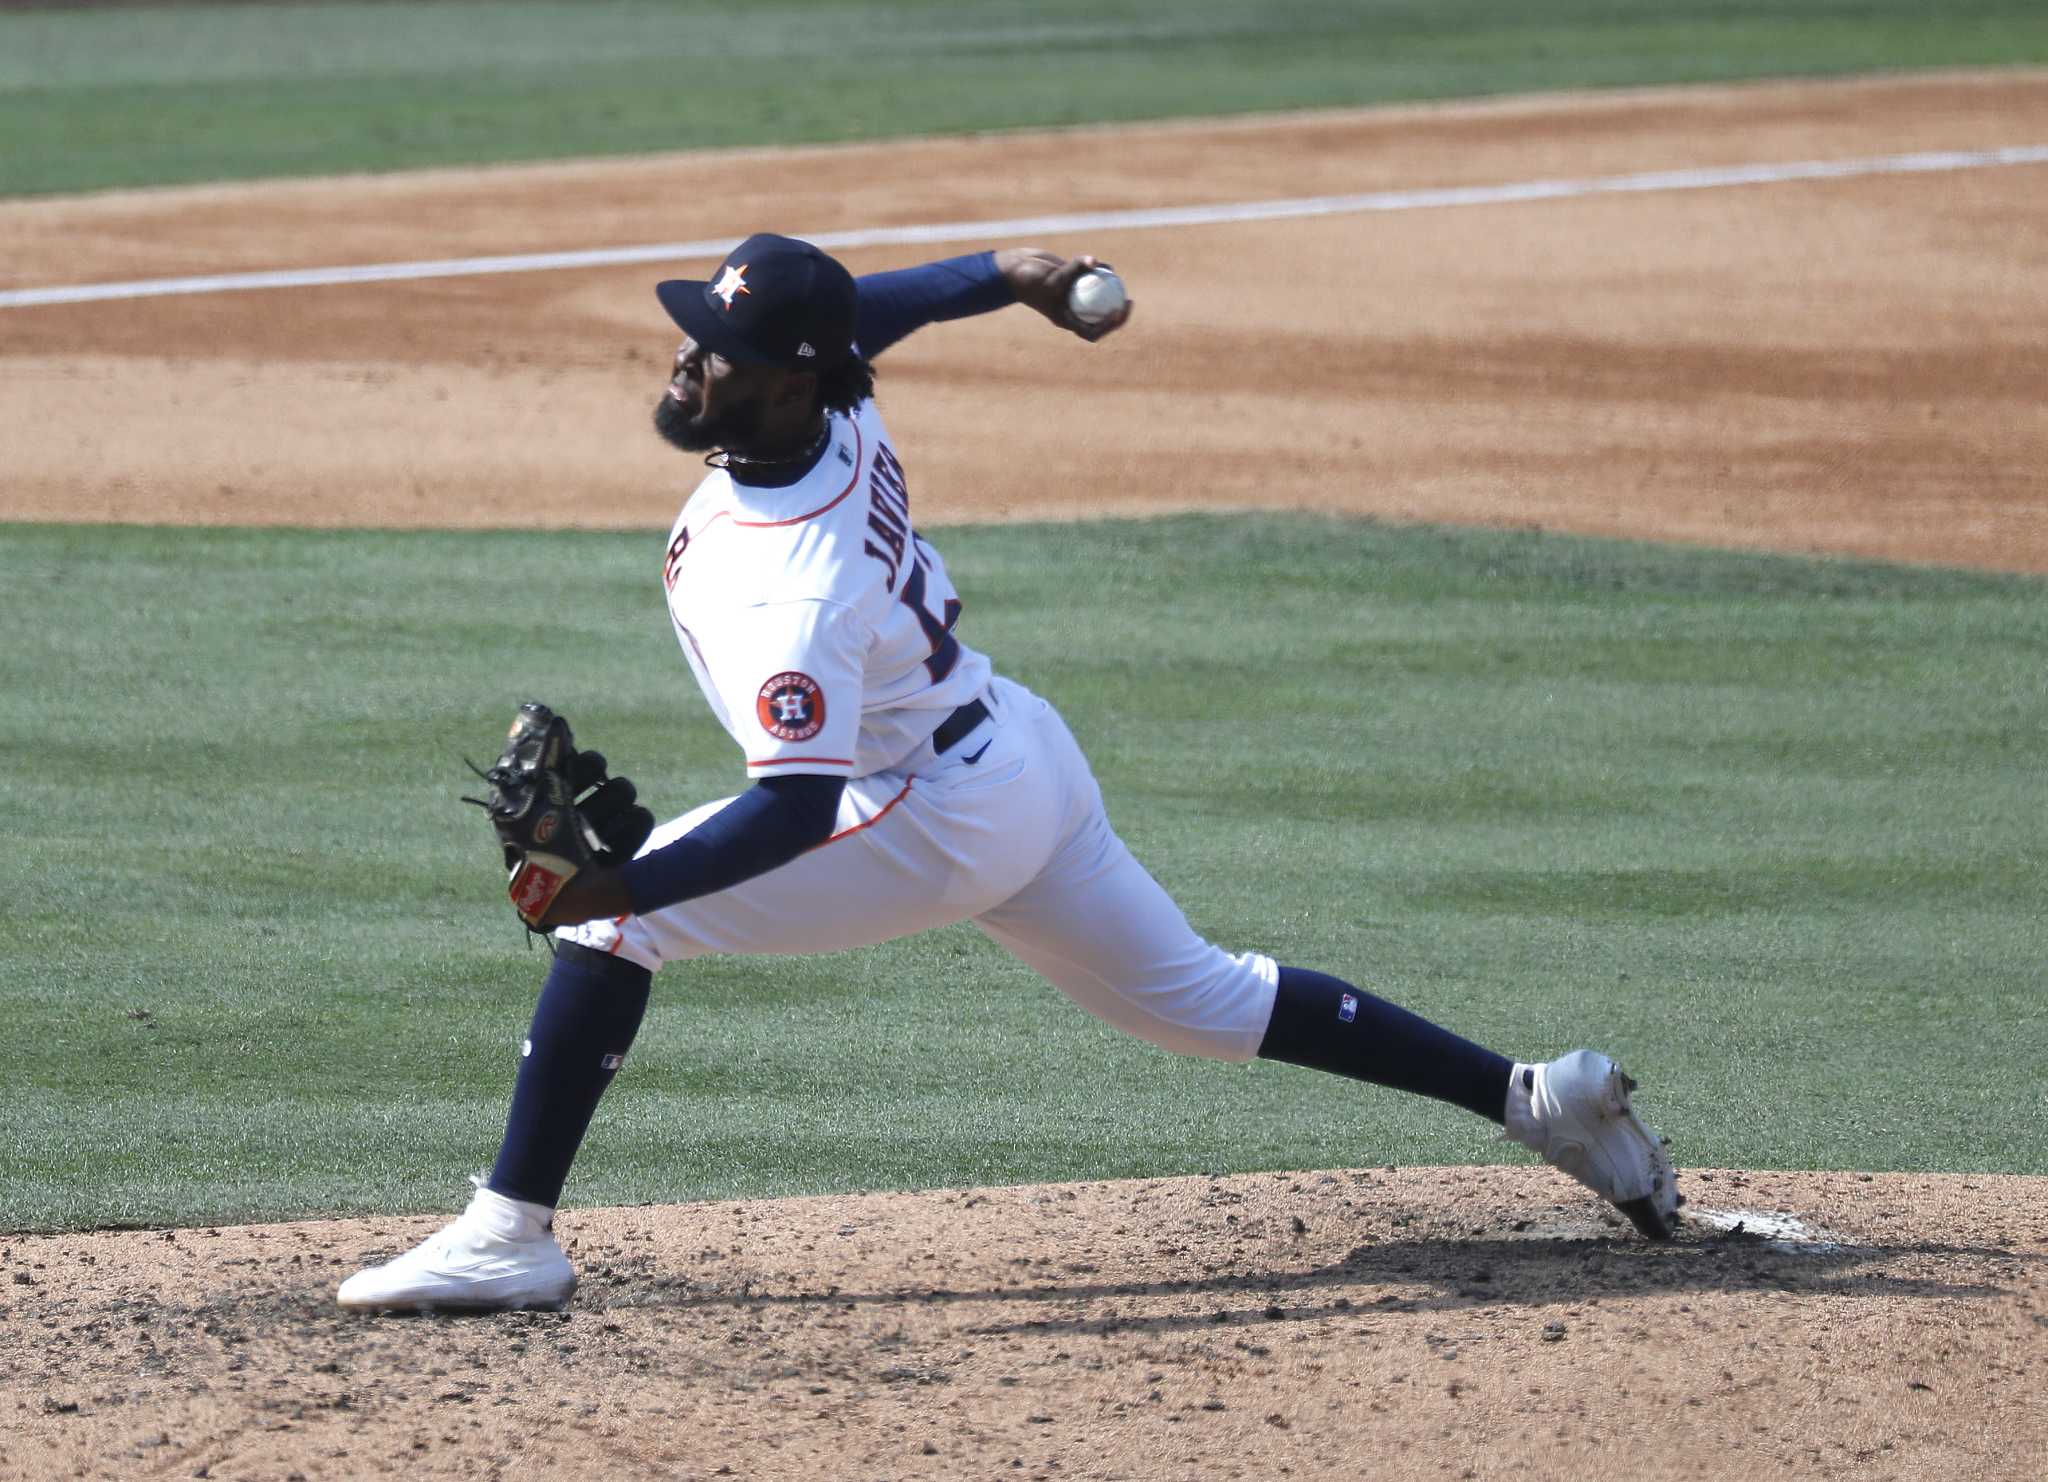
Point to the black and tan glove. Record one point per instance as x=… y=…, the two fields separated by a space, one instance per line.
x=555 y=811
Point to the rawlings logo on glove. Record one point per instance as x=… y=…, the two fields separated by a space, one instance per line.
x=556 y=811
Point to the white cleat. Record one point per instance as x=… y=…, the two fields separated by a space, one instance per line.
x=499 y=1255
x=1574 y=1112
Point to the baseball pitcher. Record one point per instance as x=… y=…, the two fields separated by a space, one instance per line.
x=896 y=782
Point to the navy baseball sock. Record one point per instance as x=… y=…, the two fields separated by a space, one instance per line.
x=1326 y=1024
x=590 y=1008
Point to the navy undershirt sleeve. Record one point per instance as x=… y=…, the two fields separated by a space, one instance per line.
x=894 y=304
x=762 y=829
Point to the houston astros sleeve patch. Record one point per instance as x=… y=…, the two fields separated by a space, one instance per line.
x=791 y=706
x=790 y=684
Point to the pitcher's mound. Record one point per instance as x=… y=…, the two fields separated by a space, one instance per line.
x=1462 y=1323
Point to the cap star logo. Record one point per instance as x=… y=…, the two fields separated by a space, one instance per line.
x=733 y=280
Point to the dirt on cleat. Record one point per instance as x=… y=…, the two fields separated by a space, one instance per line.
x=1642 y=1213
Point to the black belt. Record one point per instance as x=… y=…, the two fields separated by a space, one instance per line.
x=954 y=728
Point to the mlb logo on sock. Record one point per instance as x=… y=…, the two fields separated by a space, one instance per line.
x=1347 y=1008
x=611 y=1062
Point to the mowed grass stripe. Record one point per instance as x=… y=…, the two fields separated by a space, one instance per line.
x=98 y=98
x=1766 y=827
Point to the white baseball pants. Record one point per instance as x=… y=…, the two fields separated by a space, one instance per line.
x=1017 y=841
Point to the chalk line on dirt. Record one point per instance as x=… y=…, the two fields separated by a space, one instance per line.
x=1779 y=1232
x=1706 y=178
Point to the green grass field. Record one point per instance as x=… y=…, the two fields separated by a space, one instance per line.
x=1767 y=827
x=106 y=97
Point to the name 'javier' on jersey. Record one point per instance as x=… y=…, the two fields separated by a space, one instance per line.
x=818 y=623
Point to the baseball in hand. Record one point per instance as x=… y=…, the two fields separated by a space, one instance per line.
x=1097 y=296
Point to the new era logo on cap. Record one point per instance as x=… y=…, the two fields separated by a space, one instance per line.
x=774 y=301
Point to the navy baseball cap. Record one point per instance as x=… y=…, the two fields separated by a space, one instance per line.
x=775 y=301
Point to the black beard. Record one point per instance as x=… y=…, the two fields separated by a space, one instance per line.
x=729 y=431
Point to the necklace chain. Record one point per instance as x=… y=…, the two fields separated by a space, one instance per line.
x=805 y=456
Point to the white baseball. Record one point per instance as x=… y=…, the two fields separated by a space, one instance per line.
x=1097 y=295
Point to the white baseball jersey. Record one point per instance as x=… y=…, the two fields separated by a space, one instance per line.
x=820 y=628
x=817 y=623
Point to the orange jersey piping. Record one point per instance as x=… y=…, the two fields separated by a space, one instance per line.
x=859 y=463
x=870 y=823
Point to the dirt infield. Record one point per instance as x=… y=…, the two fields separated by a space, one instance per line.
x=1457 y=1323
x=1849 y=365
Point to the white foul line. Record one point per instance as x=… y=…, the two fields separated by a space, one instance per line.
x=1028 y=226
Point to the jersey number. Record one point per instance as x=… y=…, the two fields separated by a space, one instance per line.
x=945 y=647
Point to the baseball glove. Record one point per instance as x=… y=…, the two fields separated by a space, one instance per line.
x=556 y=811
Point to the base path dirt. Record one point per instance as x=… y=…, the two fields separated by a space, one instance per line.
x=1847 y=365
